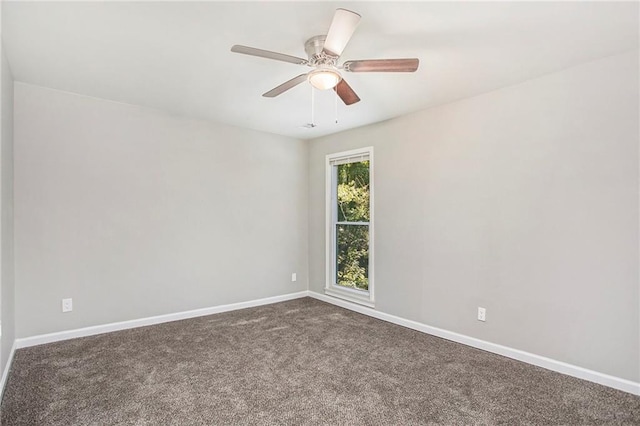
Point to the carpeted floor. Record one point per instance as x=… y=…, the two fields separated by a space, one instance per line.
x=292 y=363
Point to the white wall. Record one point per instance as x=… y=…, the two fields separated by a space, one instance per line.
x=7 y=301
x=133 y=213
x=523 y=201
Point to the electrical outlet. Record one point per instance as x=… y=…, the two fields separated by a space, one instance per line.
x=294 y=277
x=67 y=305
x=482 y=314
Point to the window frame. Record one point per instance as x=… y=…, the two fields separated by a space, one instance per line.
x=363 y=297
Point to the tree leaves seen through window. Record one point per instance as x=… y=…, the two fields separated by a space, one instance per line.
x=352 y=240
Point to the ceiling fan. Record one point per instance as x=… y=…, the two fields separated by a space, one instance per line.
x=323 y=52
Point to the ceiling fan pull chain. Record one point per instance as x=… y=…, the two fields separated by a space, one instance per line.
x=336 y=106
x=313 y=123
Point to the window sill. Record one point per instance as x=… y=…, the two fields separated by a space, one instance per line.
x=350 y=296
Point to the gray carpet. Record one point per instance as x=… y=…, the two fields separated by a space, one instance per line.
x=292 y=363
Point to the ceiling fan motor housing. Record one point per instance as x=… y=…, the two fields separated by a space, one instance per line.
x=314 y=48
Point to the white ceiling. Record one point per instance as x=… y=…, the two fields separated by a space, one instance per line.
x=174 y=56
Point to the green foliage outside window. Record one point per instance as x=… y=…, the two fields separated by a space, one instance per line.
x=352 y=241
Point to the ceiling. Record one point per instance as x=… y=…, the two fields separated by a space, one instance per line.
x=174 y=56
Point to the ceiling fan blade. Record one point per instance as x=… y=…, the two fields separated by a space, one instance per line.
x=285 y=86
x=346 y=93
x=382 y=65
x=342 y=27
x=246 y=50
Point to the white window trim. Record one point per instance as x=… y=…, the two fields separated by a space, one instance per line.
x=362 y=297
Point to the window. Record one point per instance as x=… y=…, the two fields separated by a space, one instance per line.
x=350 y=225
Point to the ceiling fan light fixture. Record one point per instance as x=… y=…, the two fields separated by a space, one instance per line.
x=324 y=78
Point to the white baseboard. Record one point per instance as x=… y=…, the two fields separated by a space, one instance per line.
x=7 y=367
x=123 y=325
x=540 y=361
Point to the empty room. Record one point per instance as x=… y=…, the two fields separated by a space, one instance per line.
x=319 y=213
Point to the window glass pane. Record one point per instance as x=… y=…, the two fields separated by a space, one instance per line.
x=352 y=260
x=353 y=192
